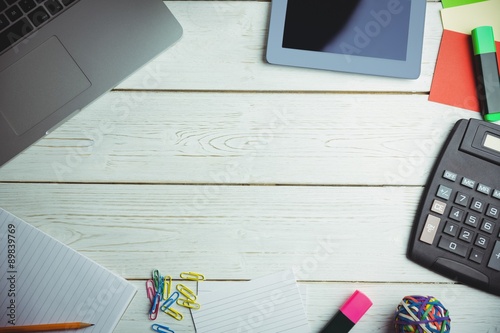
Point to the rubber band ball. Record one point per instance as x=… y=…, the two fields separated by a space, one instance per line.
x=423 y=314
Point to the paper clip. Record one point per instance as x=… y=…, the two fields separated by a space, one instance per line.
x=150 y=290
x=167 y=285
x=153 y=312
x=192 y=276
x=186 y=292
x=171 y=300
x=156 y=278
x=188 y=304
x=160 y=286
x=161 y=328
x=174 y=314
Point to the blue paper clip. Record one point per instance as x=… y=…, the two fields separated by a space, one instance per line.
x=153 y=312
x=161 y=328
x=171 y=300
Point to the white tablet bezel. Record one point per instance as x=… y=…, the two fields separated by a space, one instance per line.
x=409 y=68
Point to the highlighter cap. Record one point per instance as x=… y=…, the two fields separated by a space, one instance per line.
x=356 y=306
x=483 y=40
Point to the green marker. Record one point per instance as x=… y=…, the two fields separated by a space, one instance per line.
x=486 y=69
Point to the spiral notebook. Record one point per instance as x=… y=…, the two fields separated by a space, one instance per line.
x=44 y=281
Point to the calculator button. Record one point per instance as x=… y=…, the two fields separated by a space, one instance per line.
x=430 y=229
x=477 y=205
x=452 y=247
x=466 y=235
x=444 y=192
x=472 y=220
x=438 y=207
x=487 y=226
x=481 y=241
x=468 y=182
x=476 y=256
x=462 y=199
x=450 y=175
x=457 y=214
x=496 y=194
x=492 y=211
x=495 y=257
x=450 y=229
x=483 y=189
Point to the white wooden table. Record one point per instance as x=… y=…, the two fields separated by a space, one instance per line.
x=211 y=160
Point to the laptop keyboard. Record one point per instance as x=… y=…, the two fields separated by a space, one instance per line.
x=20 y=18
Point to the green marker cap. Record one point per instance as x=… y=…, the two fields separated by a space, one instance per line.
x=492 y=117
x=483 y=40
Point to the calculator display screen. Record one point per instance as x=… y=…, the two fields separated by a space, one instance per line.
x=492 y=142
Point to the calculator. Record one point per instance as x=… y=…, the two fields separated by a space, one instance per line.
x=457 y=228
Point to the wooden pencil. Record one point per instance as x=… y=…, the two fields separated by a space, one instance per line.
x=45 y=327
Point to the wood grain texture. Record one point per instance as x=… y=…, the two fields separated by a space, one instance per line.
x=209 y=159
x=257 y=138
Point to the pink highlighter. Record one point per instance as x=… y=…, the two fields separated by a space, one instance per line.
x=349 y=314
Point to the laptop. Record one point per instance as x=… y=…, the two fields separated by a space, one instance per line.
x=57 y=56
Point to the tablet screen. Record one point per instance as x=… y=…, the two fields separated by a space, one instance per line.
x=367 y=28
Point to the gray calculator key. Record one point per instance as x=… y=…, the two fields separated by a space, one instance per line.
x=438 y=207
x=476 y=256
x=483 y=189
x=444 y=192
x=492 y=211
x=450 y=175
x=494 y=262
x=457 y=214
x=462 y=199
x=430 y=229
x=496 y=194
x=468 y=182
x=453 y=247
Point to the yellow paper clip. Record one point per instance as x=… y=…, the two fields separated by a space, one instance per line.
x=186 y=292
x=192 y=276
x=174 y=314
x=167 y=286
x=188 y=304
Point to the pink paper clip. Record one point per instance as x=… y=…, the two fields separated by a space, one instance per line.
x=150 y=290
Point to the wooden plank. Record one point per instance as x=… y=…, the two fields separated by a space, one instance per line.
x=230 y=232
x=223 y=48
x=263 y=138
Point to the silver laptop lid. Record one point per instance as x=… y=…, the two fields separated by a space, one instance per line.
x=83 y=51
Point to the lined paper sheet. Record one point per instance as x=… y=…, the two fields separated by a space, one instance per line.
x=270 y=304
x=44 y=281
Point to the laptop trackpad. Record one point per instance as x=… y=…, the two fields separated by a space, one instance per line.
x=38 y=84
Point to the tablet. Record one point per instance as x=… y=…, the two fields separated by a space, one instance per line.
x=377 y=37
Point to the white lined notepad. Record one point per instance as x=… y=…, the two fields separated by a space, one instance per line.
x=270 y=304
x=44 y=281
